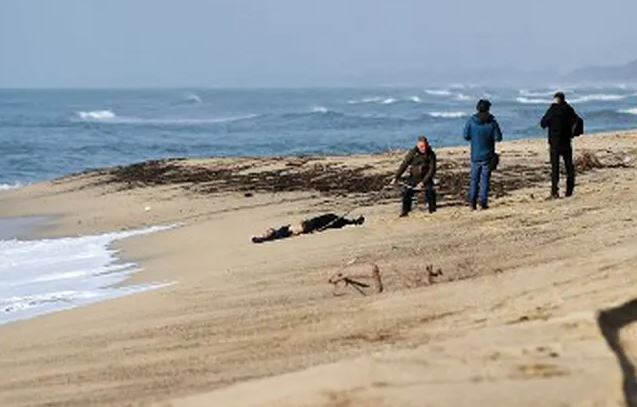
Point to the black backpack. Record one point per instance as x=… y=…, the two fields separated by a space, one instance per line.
x=494 y=162
x=578 y=127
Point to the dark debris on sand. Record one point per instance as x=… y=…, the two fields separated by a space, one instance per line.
x=367 y=185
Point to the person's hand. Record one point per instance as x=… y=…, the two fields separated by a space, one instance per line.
x=421 y=185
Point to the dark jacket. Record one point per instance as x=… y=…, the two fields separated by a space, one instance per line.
x=483 y=131
x=560 y=120
x=422 y=165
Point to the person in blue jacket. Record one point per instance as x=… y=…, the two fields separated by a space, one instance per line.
x=483 y=131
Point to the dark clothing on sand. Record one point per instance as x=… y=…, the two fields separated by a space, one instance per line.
x=563 y=124
x=316 y=224
x=409 y=193
x=327 y=221
x=422 y=166
x=567 y=156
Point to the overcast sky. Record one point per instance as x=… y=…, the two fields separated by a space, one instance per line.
x=123 y=43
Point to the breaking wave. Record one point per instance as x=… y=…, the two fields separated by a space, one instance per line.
x=43 y=276
x=192 y=98
x=7 y=187
x=632 y=111
x=438 y=92
x=448 y=115
x=108 y=119
x=533 y=101
x=96 y=115
x=320 y=109
x=597 y=98
x=374 y=99
x=463 y=97
x=536 y=94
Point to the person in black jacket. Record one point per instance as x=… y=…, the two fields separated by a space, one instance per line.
x=560 y=119
x=421 y=161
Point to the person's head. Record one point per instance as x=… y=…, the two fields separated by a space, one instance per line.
x=422 y=144
x=483 y=106
x=559 y=98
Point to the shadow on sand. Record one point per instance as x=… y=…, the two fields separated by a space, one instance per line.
x=610 y=322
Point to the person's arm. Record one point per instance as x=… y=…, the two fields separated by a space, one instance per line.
x=406 y=163
x=432 y=170
x=546 y=120
x=467 y=131
x=497 y=132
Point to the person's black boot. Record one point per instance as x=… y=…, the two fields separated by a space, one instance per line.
x=431 y=203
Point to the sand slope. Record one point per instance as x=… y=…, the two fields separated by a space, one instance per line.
x=513 y=319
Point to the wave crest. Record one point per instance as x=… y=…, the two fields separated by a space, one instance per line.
x=598 y=98
x=448 y=115
x=632 y=111
x=373 y=99
x=320 y=109
x=438 y=92
x=7 y=187
x=533 y=101
x=96 y=115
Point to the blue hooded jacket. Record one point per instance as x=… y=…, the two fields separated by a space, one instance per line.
x=483 y=131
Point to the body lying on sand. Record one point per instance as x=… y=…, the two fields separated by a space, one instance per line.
x=483 y=131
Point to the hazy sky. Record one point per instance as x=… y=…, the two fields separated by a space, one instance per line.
x=120 y=43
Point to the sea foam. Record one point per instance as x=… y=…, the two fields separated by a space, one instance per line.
x=448 y=115
x=320 y=109
x=438 y=92
x=42 y=276
x=96 y=115
x=373 y=99
x=7 y=187
x=632 y=111
x=597 y=98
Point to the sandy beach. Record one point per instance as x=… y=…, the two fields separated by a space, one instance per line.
x=514 y=319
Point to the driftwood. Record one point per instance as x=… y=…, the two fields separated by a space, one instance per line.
x=432 y=275
x=351 y=280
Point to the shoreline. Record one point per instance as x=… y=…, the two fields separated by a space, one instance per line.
x=244 y=321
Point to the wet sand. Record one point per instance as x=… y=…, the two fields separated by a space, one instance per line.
x=21 y=227
x=513 y=319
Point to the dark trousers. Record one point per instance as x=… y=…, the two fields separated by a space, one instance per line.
x=480 y=183
x=409 y=192
x=567 y=154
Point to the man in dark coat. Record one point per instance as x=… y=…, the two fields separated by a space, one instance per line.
x=421 y=161
x=561 y=121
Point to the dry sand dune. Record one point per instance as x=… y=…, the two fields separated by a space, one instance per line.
x=512 y=320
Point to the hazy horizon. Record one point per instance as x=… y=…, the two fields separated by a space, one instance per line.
x=303 y=44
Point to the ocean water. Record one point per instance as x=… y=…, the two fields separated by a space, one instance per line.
x=49 y=133
x=42 y=276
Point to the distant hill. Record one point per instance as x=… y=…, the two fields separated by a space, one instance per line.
x=616 y=73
